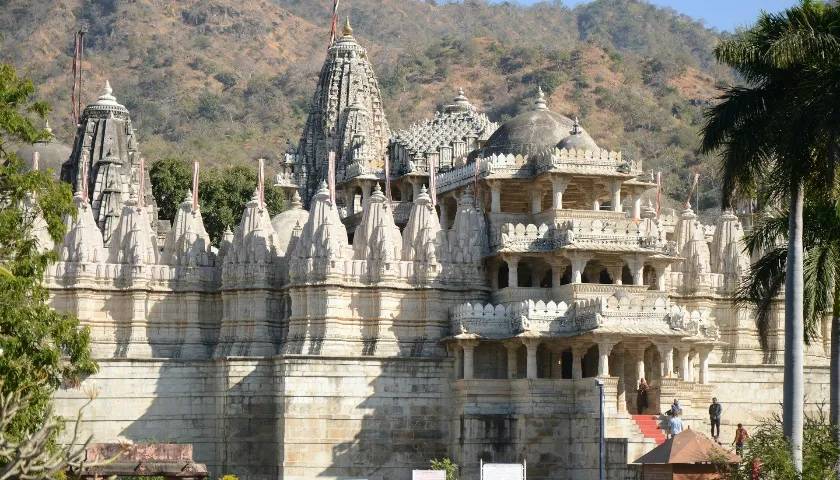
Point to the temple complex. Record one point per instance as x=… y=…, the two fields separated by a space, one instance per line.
x=460 y=289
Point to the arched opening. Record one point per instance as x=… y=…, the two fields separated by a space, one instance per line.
x=490 y=360
x=649 y=276
x=451 y=207
x=524 y=276
x=590 y=362
x=357 y=200
x=547 y=279
x=566 y=278
x=521 y=362
x=396 y=193
x=502 y=275
x=547 y=363
x=595 y=272
x=626 y=276
x=566 y=359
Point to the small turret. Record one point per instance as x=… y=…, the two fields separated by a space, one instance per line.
x=133 y=241
x=83 y=242
x=285 y=223
x=254 y=240
x=423 y=239
x=468 y=235
x=323 y=235
x=727 y=252
x=187 y=243
x=377 y=237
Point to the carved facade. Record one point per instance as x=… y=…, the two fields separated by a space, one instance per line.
x=364 y=335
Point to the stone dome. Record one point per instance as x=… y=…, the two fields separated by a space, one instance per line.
x=532 y=131
x=578 y=139
x=51 y=154
x=285 y=222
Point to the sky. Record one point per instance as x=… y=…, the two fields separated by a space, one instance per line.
x=720 y=14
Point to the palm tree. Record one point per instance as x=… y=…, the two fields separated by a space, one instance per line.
x=821 y=293
x=780 y=133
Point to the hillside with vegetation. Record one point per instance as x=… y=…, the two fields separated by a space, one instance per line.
x=226 y=81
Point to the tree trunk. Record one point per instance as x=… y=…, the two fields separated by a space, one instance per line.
x=834 y=380
x=794 y=388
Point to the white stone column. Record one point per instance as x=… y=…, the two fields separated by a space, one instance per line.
x=531 y=346
x=578 y=264
x=637 y=206
x=596 y=204
x=511 y=347
x=640 y=364
x=637 y=269
x=558 y=188
x=415 y=188
x=365 y=192
x=469 y=355
x=536 y=201
x=615 y=273
x=513 y=270
x=578 y=352
x=459 y=361
x=704 y=365
x=495 y=197
x=666 y=352
x=684 y=368
x=616 y=196
x=604 y=349
x=660 y=278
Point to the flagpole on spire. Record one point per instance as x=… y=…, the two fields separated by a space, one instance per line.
x=388 y=178
x=331 y=176
x=691 y=190
x=658 y=193
x=334 y=25
x=195 y=186
x=142 y=193
x=261 y=182
x=84 y=179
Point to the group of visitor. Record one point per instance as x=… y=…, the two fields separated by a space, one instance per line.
x=675 y=422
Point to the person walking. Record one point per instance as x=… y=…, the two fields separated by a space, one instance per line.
x=676 y=408
x=741 y=437
x=715 y=410
x=642 y=396
x=676 y=425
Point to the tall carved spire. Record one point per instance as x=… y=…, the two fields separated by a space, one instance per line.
x=423 y=239
x=187 y=243
x=377 y=237
x=106 y=143
x=346 y=79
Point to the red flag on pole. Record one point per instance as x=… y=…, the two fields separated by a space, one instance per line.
x=388 y=178
x=331 y=176
x=658 y=193
x=432 y=180
x=195 y=186
x=261 y=182
x=334 y=26
x=475 y=180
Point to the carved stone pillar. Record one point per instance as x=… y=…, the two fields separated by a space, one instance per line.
x=640 y=364
x=615 y=189
x=666 y=353
x=495 y=197
x=704 y=365
x=660 y=278
x=513 y=270
x=444 y=215
x=578 y=351
x=348 y=201
x=558 y=188
x=615 y=273
x=578 y=264
x=684 y=368
x=637 y=206
x=637 y=269
x=469 y=355
x=531 y=345
x=604 y=349
x=365 y=192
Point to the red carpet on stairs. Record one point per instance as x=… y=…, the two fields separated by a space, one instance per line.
x=649 y=425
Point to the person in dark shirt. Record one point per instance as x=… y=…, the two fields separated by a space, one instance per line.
x=715 y=410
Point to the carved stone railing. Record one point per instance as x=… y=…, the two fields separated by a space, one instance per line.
x=583 y=161
x=619 y=234
x=120 y=275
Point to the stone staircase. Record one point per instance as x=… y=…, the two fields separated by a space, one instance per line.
x=649 y=425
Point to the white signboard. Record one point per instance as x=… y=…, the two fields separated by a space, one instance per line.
x=428 y=475
x=503 y=471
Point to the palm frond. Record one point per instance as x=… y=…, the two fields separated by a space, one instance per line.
x=759 y=289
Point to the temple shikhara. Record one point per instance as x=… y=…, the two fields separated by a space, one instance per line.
x=459 y=288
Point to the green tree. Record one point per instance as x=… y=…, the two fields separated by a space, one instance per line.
x=768 y=451
x=780 y=132
x=41 y=348
x=170 y=179
x=447 y=465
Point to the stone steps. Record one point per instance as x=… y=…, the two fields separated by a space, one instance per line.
x=649 y=426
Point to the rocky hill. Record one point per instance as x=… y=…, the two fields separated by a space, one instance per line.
x=226 y=81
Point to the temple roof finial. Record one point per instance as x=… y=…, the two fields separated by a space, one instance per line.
x=107 y=97
x=540 y=103
x=47 y=126
x=576 y=127
x=348 y=30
